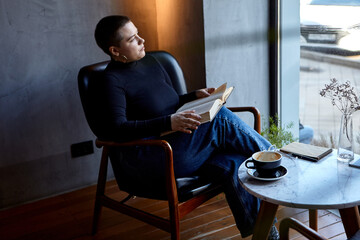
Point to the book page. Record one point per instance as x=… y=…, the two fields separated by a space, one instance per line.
x=193 y=104
x=220 y=89
x=205 y=107
x=216 y=108
x=227 y=93
x=217 y=94
x=208 y=110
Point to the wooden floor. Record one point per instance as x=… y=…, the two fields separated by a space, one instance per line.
x=69 y=216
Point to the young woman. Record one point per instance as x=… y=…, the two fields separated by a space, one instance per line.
x=137 y=100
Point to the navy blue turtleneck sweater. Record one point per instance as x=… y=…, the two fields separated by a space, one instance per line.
x=136 y=100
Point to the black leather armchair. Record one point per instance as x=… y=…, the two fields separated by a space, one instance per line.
x=183 y=194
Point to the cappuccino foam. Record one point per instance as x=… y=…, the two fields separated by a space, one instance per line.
x=267 y=156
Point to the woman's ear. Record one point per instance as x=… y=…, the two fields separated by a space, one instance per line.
x=114 y=51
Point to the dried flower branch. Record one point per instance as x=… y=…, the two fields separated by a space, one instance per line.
x=342 y=95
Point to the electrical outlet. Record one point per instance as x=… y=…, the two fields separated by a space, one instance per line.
x=82 y=149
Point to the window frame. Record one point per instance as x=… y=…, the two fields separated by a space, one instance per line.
x=284 y=61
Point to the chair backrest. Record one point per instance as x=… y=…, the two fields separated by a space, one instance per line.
x=88 y=75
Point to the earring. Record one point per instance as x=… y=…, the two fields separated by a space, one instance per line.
x=124 y=58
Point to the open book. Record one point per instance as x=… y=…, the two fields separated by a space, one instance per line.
x=306 y=151
x=209 y=106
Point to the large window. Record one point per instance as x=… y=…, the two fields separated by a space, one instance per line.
x=329 y=48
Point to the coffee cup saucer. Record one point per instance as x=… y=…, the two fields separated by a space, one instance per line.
x=280 y=173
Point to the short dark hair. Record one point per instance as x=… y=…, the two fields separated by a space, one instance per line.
x=106 y=31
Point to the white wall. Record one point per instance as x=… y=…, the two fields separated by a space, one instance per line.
x=236 y=50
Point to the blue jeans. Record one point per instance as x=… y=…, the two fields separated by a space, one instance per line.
x=216 y=148
x=306 y=134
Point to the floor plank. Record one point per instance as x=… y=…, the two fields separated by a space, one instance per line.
x=69 y=216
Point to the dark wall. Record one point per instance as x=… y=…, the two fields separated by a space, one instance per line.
x=181 y=32
x=44 y=43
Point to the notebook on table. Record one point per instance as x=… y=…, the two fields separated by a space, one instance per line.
x=306 y=151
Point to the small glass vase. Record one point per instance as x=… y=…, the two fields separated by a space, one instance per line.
x=346 y=140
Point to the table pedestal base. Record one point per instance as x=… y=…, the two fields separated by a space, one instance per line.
x=350 y=219
x=313 y=219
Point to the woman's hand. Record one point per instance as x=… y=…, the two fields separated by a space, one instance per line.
x=205 y=92
x=185 y=121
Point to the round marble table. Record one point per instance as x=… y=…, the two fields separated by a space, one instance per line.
x=326 y=184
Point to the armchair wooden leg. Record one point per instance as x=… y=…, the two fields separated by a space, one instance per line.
x=174 y=220
x=96 y=217
x=100 y=189
x=175 y=235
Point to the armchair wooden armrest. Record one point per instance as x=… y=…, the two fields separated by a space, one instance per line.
x=170 y=176
x=169 y=168
x=254 y=111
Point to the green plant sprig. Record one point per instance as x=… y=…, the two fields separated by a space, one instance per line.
x=277 y=134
